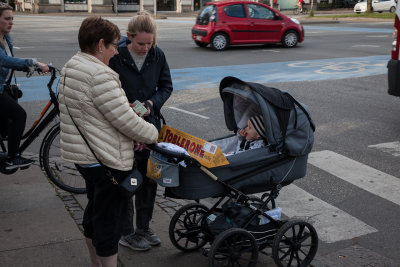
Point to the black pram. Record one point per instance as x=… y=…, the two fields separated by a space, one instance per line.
x=239 y=224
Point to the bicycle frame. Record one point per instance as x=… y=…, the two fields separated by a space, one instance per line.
x=41 y=123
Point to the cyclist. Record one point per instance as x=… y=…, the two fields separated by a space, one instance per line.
x=300 y=4
x=11 y=113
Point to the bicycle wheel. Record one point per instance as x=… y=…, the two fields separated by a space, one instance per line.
x=296 y=11
x=62 y=173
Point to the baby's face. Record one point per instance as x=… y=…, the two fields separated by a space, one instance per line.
x=250 y=133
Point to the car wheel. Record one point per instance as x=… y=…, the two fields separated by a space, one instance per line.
x=219 y=41
x=200 y=44
x=393 y=9
x=290 y=39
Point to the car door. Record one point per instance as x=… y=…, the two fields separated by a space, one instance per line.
x=381 y=5
x=234 y=19
x=263 y=25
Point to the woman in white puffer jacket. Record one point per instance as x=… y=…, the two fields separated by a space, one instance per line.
x=93 y=95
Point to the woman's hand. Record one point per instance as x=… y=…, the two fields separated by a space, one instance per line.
x=148 y=108
x=43 y=67
x=137 y=146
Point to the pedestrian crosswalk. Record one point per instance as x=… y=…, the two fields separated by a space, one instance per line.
x=358 y=174
x=390 y=147
x=332 y=223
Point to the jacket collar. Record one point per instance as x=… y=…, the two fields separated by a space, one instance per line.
x=127 y=58
x=9 y=41
x=8 y=38
x=94 y=59
x=90 y=57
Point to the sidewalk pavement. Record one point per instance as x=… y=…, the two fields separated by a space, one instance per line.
x=40 y=227
x=35 y=227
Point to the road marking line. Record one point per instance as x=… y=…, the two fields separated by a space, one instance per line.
x=188 y=112
x=391 y=148
x=331 y=223
x=366 y=46
x=23 y=47
x=377 y=36
x=376 y=182
x=270 y=50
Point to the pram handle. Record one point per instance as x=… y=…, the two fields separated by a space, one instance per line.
x=169 y=153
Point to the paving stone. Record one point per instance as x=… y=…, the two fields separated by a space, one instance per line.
x=169 y=211
x=171 y=204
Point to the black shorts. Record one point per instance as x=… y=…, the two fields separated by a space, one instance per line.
x=102 y=220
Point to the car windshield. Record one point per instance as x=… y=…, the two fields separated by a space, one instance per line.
x=205 y=14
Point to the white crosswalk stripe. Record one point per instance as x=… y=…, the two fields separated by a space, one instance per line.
x=331 y=223
x=391 y=148
x=358 y=174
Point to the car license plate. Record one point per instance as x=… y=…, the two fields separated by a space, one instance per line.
x=198 y=38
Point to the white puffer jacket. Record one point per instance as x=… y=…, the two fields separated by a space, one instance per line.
x=98 y=105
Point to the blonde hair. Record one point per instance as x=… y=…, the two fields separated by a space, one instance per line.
x=143 y=22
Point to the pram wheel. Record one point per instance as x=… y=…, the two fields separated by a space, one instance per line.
x=233 y=247
x=185 y=230
x=295 y=244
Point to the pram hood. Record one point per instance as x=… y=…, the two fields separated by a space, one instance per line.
x=288 y=124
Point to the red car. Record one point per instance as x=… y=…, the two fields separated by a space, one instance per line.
x=225 y=23
x=394 y=63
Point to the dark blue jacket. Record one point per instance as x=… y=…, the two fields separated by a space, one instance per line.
x=153 y=82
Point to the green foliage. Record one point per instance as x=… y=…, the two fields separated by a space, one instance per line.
x=324 y=6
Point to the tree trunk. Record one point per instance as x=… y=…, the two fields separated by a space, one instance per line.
x=369 y=6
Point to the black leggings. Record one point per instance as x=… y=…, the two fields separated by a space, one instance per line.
x=13 y=117
x=102 y=219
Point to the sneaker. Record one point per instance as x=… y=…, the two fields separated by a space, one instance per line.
x=135 y=242
x=149 y=236
x=17 y=162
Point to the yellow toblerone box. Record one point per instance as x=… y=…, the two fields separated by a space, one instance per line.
x=208 y=154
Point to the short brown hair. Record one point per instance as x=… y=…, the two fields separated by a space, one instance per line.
x=4 y=6
x=93 y=29
x=143 y=22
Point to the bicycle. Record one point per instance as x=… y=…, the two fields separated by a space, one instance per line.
x=297 y=11
x=61 y=173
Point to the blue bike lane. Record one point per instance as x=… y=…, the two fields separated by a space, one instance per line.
x=35 y=88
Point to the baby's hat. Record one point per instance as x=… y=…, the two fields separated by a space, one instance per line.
x=258 y=124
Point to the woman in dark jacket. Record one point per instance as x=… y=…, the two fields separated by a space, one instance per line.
x=145 y=76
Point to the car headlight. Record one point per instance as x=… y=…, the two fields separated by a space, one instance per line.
x=295 y=21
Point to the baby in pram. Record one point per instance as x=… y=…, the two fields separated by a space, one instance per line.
x=251 y=137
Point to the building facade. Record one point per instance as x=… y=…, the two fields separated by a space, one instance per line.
x=106 y=6
x=113 y=6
